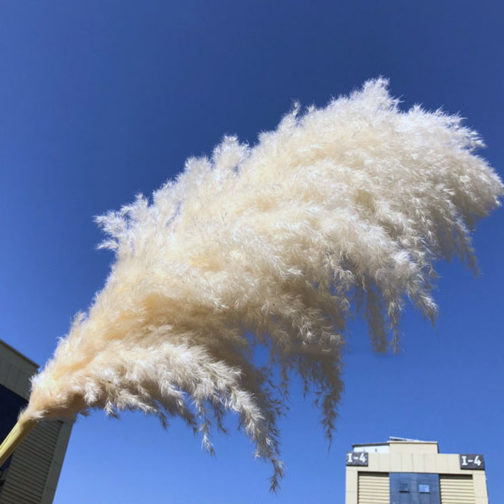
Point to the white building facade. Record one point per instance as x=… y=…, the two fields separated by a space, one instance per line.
x=405 y=471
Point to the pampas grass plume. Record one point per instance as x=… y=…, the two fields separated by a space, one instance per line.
x=340 y=210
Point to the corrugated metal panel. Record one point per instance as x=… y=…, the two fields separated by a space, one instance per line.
x=457 y=489
x=27 y=473
x=374 y=488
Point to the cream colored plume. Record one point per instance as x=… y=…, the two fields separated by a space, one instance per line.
x=340 y=209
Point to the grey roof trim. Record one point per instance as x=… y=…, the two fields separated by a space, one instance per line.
x=18 y=353
x=384 y=443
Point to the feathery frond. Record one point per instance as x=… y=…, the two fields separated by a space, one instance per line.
x=276 y=244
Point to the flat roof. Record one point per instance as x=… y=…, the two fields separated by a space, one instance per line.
x=395 y=439
x=18 y=353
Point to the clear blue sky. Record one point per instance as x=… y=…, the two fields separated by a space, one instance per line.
x=102 y=99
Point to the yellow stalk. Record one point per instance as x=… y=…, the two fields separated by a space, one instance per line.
x=14 y=438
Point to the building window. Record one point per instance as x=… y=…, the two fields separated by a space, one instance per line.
x=403 y=486
x=423 y=488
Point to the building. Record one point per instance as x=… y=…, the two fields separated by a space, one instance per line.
x=408 y=471
x=31 y=474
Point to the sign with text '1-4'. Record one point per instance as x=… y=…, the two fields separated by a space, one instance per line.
x=472 y=461
x=357 y=459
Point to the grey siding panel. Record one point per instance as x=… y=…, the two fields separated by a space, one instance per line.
x=457 y=489
x=33 y=473
x=373 y=488
x=27 y=476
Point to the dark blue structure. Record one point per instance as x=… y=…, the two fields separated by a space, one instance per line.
x=414 y=488
x=11 y=405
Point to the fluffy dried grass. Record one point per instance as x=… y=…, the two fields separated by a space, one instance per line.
x=340 y=209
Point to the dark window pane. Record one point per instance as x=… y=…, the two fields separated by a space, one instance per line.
x=403 y=486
